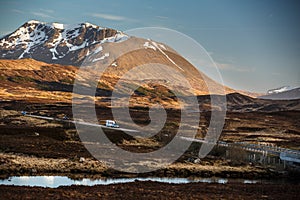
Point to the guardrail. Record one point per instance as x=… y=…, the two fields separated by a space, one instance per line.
x=265 y=149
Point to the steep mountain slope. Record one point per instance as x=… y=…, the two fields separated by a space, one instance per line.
x=35 y=81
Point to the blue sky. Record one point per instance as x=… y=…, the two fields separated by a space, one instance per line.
x=255 y=43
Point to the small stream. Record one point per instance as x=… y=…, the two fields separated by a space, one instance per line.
x=57 y=181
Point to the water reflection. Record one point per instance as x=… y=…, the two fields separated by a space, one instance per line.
x=56 y=181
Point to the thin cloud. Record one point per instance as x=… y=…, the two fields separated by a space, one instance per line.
x=109 y=17
x=45 y=13
x=162 y=17
x=46 y=10
x=231 y=67
x=39 y=14
x=18 y=11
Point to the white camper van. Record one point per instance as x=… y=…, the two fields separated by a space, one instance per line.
x=111 y=123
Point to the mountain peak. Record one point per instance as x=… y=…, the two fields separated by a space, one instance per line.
x=87 y=24
x=57 y=25
x=33 y=22
x=61 y=26
x=56 y=42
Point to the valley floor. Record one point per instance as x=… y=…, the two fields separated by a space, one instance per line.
x=38 y=147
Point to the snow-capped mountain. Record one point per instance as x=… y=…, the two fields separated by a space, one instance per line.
x=283 y=93
x=85 y=43
x=56 y=43
x=280 y=89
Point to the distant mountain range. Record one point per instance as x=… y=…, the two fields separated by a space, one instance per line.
x=279 y=90
x=282 y=93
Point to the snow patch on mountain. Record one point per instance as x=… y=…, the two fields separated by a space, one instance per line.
x=119 y=37
x=155 y=46
x=58 y=26
x=147 y=45
x=100 y=48
x=101 y=58
x=114 y=64
x=159 y=46
x=92 y=25
x=34 y=22
x=24 y=37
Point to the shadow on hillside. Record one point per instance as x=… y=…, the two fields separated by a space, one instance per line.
x=64 y=87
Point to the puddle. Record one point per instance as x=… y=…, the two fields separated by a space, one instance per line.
x=56 y=181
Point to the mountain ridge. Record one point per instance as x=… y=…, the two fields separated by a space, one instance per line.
x=55 y=42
